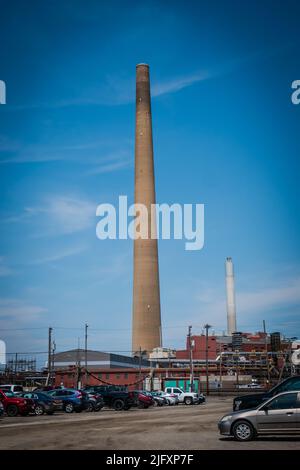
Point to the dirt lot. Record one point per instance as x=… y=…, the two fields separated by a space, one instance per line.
x=180 y=427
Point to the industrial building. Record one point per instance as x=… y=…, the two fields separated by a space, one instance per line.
x=95 y=360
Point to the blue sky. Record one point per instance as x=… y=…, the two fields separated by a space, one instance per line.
x=225 y=134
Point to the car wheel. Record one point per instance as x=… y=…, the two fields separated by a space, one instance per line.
x=69 y=408
x=118 y=405
x=90 y=407
x=243 y=431
x=188 y=401
x=39 y=410
x=12 y=410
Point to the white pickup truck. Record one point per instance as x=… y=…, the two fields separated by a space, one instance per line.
x=189 y=398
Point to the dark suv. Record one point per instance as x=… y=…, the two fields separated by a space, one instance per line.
x=247 y=402
x=43 y=402
x=113 y=397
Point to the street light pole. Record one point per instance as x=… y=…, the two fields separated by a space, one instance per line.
x=49 y=355
x=206 y=327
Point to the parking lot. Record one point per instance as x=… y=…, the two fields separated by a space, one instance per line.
x=177 y=427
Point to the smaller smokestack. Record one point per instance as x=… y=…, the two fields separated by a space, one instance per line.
x=230 y=292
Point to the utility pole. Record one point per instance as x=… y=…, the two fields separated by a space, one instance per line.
x=206 y=327
x=85 y=351
x=191 y=360
x=266 y=348
x=16 y=364
x=237 y=357
x=220 y=380
x=78 y=366
x=52 y=357
x=49 y=354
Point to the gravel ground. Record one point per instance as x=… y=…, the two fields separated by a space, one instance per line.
x=177 y=427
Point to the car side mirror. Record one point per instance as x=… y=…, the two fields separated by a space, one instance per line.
x=264 y=408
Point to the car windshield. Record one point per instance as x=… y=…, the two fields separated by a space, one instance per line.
x=43 y=396
x=9 y=394
x=288 y=385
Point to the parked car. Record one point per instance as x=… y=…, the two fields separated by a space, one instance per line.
x=158 y=401
x=188 y=398
x=143 y=399
x=278 y=415
x=43 y=402
x=73 y=400
x=14 y=405
x=246 y=402
x=11 y=388
x=1 y=409
x=170 y=399
x=113 y=397
x=96 y=402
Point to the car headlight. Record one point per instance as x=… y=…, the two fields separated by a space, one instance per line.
x=226 y=418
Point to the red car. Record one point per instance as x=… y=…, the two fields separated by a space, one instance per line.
x=143 y=399
x=14 y=405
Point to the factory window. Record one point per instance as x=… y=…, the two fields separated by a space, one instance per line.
x=107 y=376
x=99 y=376
x=126 y=376
x=117 y=376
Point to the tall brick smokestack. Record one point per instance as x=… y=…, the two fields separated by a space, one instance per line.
x=146 y=324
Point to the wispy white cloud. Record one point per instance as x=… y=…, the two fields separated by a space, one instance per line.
x=177 y=84
x=14 y=312
x=65 y=214
x=101 y=156
x=270 y=297
x=250 y=304
x=117 y=90
x=115 y=162
x=67 y=253
x=58 y=215
x=4 y=269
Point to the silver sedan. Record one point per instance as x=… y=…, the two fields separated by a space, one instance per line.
x=278 y=415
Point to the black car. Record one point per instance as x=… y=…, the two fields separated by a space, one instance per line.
x=96 y=402
x=247 y=402
x=113 y=396
x=43 y=402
